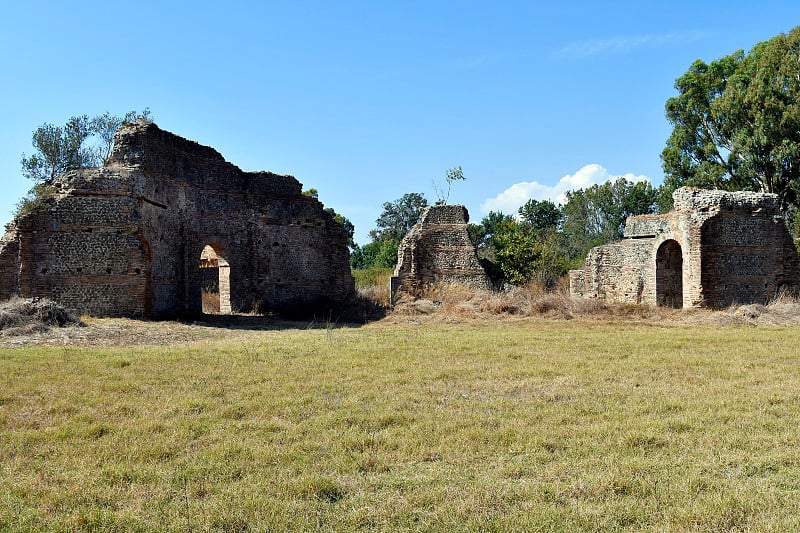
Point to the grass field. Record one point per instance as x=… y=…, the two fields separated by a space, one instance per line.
x=514 y=425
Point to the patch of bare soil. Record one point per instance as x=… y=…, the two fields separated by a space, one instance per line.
x=114 y=332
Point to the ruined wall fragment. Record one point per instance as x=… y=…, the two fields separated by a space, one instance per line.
x=725 y=247
x=126 y=239
x=438 y=250
x=9 y=263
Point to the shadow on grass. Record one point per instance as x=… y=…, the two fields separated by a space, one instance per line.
x=354 y=314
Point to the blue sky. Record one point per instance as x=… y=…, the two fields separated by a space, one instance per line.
x=366 y=101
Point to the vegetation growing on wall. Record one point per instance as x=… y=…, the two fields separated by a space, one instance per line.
x=80 y=143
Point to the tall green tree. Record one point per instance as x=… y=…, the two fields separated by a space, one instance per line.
x=524 y=253
x=398 y=217
x=596 y=215
x=522 y=249
x=59 y=149
x=736 y=123
x=542 y=215
x=484 y=233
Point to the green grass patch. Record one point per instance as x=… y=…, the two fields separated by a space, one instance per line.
x=372 y=277
x=510 y=426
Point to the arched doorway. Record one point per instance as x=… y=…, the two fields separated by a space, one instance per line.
x=215 y=281
x=669 y=274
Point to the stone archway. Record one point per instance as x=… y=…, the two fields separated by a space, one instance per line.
x=669 y=274
x=215 y=281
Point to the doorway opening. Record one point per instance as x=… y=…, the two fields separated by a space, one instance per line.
x=669 y=274
x=215 y=281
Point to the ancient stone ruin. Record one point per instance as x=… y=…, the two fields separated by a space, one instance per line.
x=167 y=224
x=437 y=250
x=714 y=249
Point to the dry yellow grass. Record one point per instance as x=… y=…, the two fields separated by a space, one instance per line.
x=524 y=424
x=373 y=285
x=457 y=302
x=556 y=416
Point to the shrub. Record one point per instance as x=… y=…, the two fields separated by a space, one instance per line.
x=26 y=315
x=373 y=284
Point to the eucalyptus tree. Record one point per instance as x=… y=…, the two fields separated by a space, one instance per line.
x=736 y=123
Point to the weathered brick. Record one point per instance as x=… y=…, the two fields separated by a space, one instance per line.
x=438 y=250
x=716 y=248
x=126 y=239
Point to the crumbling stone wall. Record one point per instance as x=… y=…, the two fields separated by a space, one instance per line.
x=9 y=263
x=716 y=248
x=126 y=239
x=438 y=250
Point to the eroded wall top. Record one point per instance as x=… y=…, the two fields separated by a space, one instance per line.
x=161 y=153
x=438 y=250
x=702 y=200
x=126 y=239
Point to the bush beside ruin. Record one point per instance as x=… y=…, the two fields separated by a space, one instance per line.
x=31 y=315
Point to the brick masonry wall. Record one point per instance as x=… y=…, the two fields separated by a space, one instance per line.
x=618 y=272
x=126 y=239
x=742 y=257
x=9 y=264
x=438 y=250
x=731 y=248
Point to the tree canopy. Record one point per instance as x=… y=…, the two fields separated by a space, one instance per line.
x=59 y=149
x=105 y=126
x=736 y=123
x=597 y=214
x=398 y=217
x=545 y=240
x=542 y=215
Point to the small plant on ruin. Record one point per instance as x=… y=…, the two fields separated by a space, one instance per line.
x=80 y=143
x=37 y=198
x=451 y=175
x=59 y=149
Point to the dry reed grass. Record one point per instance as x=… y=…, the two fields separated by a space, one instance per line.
x=24 y=316
x=375 y=293
x=783 y=310
x=533 y=300
x=210 y=302
x=373 y=285
x=454 y=302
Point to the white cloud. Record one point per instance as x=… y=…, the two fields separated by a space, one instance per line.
x=625 y=44
x=510 y=200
